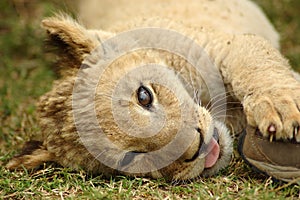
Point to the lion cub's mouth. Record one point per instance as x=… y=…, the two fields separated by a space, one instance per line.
x=209 y=151
x=212 y=150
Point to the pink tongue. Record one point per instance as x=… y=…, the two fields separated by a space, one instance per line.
x=213 y=153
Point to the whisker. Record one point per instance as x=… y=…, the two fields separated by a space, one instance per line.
x=230 y=109
x=196 y=97
x=195 y=93
x=179 y=72
x=191 y=84
x=225 y=93
x=211 y=109
x=224 y=116
x=212 y=102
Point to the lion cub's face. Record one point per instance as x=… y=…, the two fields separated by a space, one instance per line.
x=153 y=125
x=148 y=122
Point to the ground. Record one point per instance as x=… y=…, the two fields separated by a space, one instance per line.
x=25 y=74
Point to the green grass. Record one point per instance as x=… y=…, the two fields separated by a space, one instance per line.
x=285 y=16
x=25 y=74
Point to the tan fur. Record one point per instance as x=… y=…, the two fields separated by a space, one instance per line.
x=255 y=75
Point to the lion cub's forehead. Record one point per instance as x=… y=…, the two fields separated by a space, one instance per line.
x=128 y=72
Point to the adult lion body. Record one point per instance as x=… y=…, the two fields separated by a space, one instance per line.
x=238 y=39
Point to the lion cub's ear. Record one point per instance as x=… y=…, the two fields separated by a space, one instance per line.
x=72 y=41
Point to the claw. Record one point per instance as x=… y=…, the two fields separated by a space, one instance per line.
x=296 y=134
x=296 y=131
x=271 y=137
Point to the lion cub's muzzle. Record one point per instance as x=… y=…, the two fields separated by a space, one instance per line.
x=210 y=151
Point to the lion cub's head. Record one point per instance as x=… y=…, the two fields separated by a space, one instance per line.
x=137 y=112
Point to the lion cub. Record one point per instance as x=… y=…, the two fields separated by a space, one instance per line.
x=156 y=88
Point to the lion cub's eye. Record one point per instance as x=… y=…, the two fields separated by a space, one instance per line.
x=144 y=96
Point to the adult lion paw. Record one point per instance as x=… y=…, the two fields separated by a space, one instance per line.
x=275 y=112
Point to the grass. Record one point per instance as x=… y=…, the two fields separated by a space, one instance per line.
x=25 y=74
